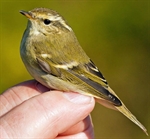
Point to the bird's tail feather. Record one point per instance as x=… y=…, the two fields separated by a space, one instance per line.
x=123 y=109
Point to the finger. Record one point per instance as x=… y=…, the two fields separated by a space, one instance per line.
x=79 y=127
x=47 y=115
x=81 y=135
x=18 y=94
x=82 y=129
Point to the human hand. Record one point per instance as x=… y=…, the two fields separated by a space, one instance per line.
x=27 y=112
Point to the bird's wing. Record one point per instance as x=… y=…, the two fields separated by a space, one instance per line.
x=87 y=77
x=94 y=79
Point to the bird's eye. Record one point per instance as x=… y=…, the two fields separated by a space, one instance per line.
x=47 y=21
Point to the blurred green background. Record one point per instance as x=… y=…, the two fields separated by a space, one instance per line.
x=115 y=34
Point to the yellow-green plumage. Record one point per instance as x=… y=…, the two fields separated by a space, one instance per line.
x=53 y=56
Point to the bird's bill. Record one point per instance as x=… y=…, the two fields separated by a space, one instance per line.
x=27 y=14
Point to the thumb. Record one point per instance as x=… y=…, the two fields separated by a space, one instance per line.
x=47 y=114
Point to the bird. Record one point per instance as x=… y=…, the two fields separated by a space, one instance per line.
x=53 y=56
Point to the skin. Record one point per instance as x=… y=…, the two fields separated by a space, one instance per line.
x=30 y=110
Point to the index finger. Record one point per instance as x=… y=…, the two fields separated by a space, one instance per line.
x=18 y=94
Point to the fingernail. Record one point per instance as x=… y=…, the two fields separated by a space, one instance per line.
x=41 y=87
x=78 y=98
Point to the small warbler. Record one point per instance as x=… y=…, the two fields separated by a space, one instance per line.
x=54 y=57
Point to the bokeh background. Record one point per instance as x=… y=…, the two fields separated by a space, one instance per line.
x=114 y=33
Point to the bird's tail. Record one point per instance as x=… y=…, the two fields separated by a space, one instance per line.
x=124 y=110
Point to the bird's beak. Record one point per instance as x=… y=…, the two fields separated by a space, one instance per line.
x=27 y=14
